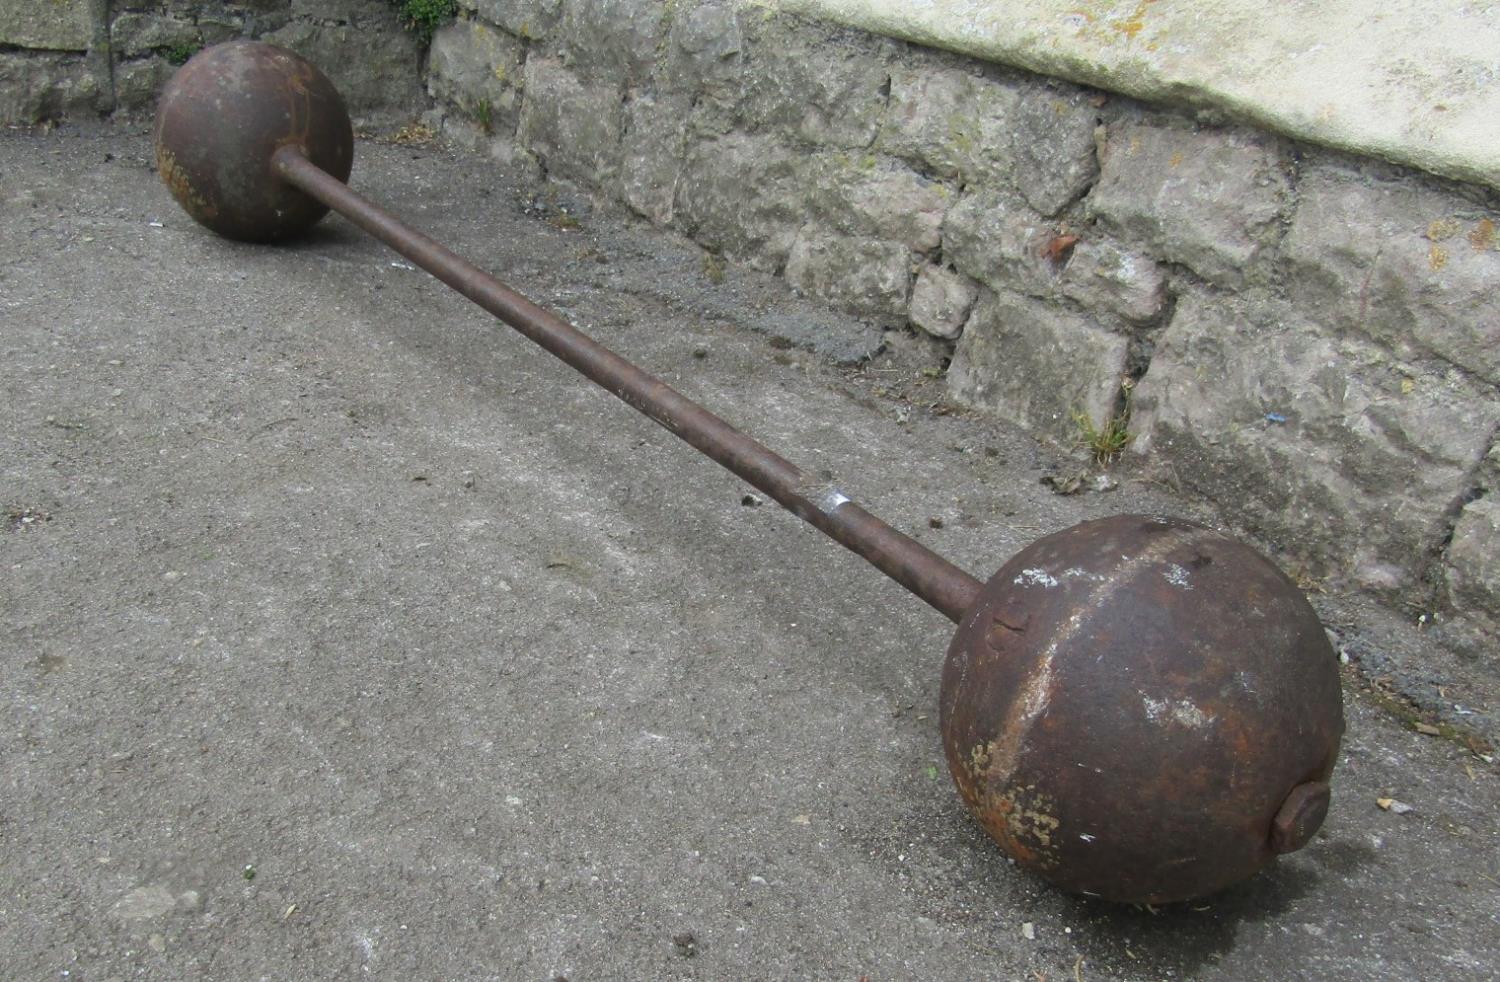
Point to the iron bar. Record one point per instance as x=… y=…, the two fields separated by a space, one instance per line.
x=929 y=576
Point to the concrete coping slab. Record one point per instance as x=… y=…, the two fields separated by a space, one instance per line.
x=49 y=25
x=1415 y=82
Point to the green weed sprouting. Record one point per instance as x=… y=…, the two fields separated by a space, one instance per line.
x=1108 y=441
x=423 y=17
x=178 y=54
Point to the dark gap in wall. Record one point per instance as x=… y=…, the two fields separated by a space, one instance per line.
x=20 y=49
x=1433 y=577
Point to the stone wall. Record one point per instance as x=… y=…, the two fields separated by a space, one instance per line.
x=1307 y=338
x=75 y=58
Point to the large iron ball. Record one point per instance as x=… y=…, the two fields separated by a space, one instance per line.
x=221 y=118
x=1142 y=710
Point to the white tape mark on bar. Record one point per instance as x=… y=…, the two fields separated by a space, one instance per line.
x=821 y=495
x=829 y=501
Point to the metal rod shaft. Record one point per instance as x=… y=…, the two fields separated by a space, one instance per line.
x=937 y=581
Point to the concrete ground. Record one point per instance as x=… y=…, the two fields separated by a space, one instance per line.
x=345 y=636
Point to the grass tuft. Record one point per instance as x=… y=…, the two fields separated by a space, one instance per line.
x=1107 y=442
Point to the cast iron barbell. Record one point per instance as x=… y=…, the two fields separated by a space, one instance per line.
x=1135 y=708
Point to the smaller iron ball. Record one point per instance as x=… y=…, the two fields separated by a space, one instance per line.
x=220 y=120
x=1143 y=710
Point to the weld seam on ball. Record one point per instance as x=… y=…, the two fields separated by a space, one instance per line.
x=1010 y=741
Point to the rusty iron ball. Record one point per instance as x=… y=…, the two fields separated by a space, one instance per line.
x=1142 y=710
x=223 y=115
x=1134 y=708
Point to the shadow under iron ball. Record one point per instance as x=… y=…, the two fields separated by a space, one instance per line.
x=1135 y=708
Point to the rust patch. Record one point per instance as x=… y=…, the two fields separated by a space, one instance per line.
x=177 y=181
x=1025 y=824
x=1483 y=235
x=1441 y=229
x=1059 y=249
x=1135 y=23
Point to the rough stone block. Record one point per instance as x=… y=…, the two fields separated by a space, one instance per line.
x=1037 y=364
x=1052 y=141
x=864 y=195
x=339 y=11
x=652 y=153
x=1349 y=461
x=36 y=87
x=504 y=153
x=742 y=195
x=327 y=11
x=377 y=72
x=139 y=83
x=612 y=41
x=573 y=127
x=1413 y=268
x=941 y=301
x=218 y=22
x=706 y=50
x=1100 y=274
x=860 y=275
x=49 y=25
x=958 y=124
x=256 y=18
x=1210 y=200
x=815 y=86
x=529 y=20
x=996 y=238
x=478 y=68
x=1474 y=555
x=137 y=34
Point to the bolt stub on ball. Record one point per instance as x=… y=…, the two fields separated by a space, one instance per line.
x=1135 y=708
